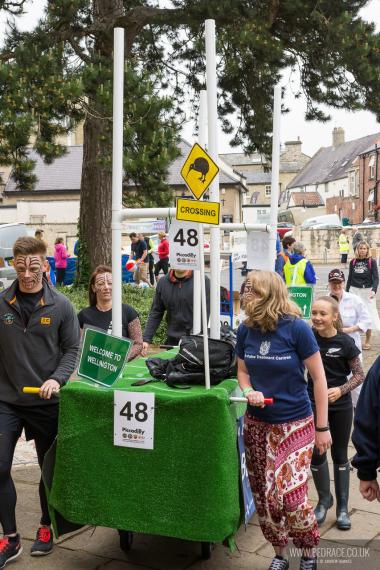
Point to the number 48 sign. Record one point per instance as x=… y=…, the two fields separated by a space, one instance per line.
x=184 y=245
x=134 y=419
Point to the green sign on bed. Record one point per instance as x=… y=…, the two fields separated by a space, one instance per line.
x=103 y=356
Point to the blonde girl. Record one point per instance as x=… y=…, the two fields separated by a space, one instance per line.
x=363 y=280
x=273 y=347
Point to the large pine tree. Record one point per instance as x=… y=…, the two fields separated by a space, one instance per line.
x=60 y=73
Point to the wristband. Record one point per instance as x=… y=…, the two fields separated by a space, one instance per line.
x=321 y=429
x=247 y=391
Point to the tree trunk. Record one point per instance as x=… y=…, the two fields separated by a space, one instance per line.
x=96 y=194
x=96 y=183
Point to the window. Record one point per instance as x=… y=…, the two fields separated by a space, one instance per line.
x=227 y=219
x=371 y=167
x=254 y=197
x=341 y=193
x=352 y=183
x=37 y=220
x=268 y=190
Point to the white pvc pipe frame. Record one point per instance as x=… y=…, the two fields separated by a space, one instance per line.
x=118 y=214
x=212 y=115
x=117 y=176
x=202 y=138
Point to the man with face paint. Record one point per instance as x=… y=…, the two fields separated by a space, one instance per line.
x=39 y=339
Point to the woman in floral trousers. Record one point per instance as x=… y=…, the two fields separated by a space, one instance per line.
x=273 y=347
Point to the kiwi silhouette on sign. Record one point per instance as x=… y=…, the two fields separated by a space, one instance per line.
x=198 y=171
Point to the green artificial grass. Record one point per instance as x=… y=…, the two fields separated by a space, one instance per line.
x=186 y=487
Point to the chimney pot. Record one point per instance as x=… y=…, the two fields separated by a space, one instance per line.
x=338 y=136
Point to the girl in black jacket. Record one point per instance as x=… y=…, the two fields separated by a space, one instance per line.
x=363 y=280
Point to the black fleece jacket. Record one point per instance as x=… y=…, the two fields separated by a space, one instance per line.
x=175 y=296
x=366 y=434
x=46 y=347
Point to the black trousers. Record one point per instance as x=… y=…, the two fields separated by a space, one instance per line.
x=60 y=275
x=151 y=268
x=340 y=422
x=42 y=427
x=161 y=264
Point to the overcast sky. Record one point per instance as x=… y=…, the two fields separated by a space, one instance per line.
x=312 y=134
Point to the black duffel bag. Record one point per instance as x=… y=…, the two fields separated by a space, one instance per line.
x=187 y=367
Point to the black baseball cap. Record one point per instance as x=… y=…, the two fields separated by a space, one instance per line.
x=336 y=275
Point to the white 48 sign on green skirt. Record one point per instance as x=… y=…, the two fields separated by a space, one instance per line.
x=134 y=419
x=184 y=245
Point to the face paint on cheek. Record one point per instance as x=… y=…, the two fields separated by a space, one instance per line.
x=32 y=280
x=29 y=270
x=103 y=282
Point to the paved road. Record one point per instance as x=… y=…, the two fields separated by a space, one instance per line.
x=321 y=271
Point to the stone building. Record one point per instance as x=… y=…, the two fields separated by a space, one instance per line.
x=369 y=169
x=54 y=203
x=334 y=173
x=256 y=170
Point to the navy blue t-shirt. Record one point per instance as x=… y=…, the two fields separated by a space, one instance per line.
x=274 y=361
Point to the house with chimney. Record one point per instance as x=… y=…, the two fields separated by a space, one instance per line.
x=53 y=204
x=256 y=170
x=369 y=179
x=330 y=181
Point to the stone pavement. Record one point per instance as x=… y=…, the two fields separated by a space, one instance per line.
x=98 y=548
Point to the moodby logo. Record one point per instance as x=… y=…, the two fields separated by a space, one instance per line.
x=264 y=347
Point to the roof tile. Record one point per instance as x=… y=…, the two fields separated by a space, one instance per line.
x=331 y=163
x=65 y=173
x=306 y=199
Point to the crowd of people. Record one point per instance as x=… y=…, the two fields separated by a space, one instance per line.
x=287 y=440
x=39 y=340
x=147 y=271
x=142 y=252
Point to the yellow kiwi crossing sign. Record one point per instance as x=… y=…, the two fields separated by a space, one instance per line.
x=198 y=171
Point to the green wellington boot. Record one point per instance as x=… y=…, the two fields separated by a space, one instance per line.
x=321 y=478
x=342 y=485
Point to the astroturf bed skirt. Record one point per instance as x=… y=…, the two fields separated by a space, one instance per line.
x=186 y=487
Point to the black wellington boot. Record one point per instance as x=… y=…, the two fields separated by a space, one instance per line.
x=342 y=484
x=321 y=478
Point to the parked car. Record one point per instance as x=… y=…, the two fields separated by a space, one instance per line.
x=284 y=228
x=8 y=235
x=322 y=222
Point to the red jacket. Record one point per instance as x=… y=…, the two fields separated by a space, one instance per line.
x=163 y=249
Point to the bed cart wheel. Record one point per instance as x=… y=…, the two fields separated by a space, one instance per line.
x=126 y=540
x=206 y=550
